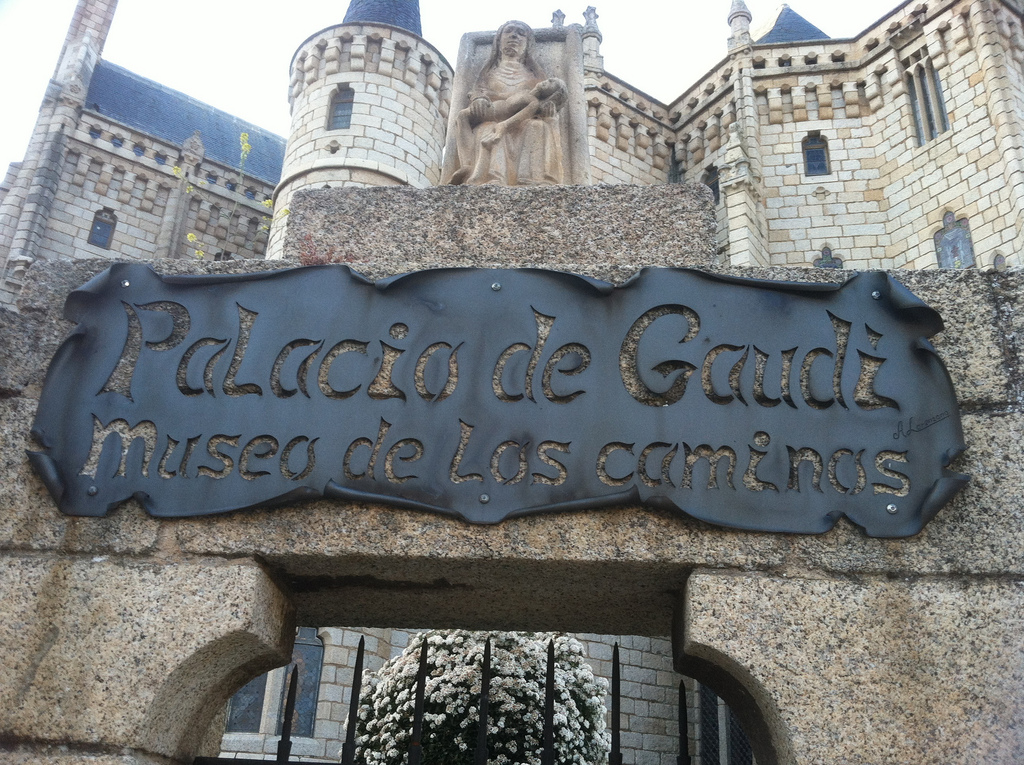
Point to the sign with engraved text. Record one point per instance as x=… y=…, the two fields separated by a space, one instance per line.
x=486 y=394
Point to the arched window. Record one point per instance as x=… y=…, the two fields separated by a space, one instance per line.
x=102 y=231
x=710 y=180
x=340 y=115
x=815 y=155
x=926 y=100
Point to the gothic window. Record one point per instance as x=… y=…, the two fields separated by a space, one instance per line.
x=924 y=88
x=102 y=231
x=828 y=259
x=340 y=115
x=245 y=709
x=259 y=706
x=710 y=180
x=815 y=155
x=953 y=245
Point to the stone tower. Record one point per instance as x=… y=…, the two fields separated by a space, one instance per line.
x=26 y=207
x=369 y=102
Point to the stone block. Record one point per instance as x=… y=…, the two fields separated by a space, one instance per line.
x=870 y=671
x=117 y=654
x=457 y=226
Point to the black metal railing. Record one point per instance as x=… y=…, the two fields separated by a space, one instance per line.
x=415 y=751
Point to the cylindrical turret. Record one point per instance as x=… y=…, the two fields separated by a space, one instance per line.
x=369 y=104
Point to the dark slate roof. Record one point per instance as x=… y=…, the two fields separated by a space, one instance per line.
x=150 y=107
x=397 y=13
x=791 y=27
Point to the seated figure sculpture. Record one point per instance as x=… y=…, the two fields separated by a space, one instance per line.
x=508 y=135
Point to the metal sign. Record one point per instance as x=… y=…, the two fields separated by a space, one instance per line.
x=487 y=394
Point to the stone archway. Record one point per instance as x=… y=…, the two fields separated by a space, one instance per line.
x=837 y=646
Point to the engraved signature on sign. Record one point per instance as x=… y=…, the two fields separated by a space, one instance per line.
x=913 y=427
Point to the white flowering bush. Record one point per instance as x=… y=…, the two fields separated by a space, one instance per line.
x=516 y=710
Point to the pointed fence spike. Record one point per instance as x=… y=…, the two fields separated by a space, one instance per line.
x=416 y=745
x=485 y=701
x=284 y=746
x=548 y=755
x=615 y=757
x=684 y=728
x=348 y=750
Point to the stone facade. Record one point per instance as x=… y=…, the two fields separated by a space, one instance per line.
x=85 y=165
x=836 y=648
x=915 y=119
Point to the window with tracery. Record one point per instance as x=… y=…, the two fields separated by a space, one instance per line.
x=927 y=104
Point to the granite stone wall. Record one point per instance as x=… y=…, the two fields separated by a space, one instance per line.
x=122 y=637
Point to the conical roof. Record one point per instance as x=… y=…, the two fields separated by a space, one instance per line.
x=788 y=26
x=397 y=13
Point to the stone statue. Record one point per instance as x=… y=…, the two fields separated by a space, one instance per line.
x=508 y=135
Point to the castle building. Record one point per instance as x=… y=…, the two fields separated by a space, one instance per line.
x=898 y=148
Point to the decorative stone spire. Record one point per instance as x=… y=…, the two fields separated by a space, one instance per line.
x=592 y=38
x=397 y=13
x=558 y=19
x=739 y=25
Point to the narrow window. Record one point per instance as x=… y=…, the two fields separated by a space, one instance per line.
x=211 y=179
x=139 y=149
x=250 y=193
x=924 y=88
x=915 y=107
x=675 y=167
x=102 y=231
x=117 y=141
x=245 y=710
x=815 y=155
x=929 y=107
x=161 y=159
x=710 y=180
x=940 y=102
x=710 y=747
x=308 y=657
x=740 y=752
x=341 y=109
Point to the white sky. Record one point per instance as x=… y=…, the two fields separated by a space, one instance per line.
x=235 y=55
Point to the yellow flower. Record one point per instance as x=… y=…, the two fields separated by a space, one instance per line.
x=192 y=238
x=267 y=203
